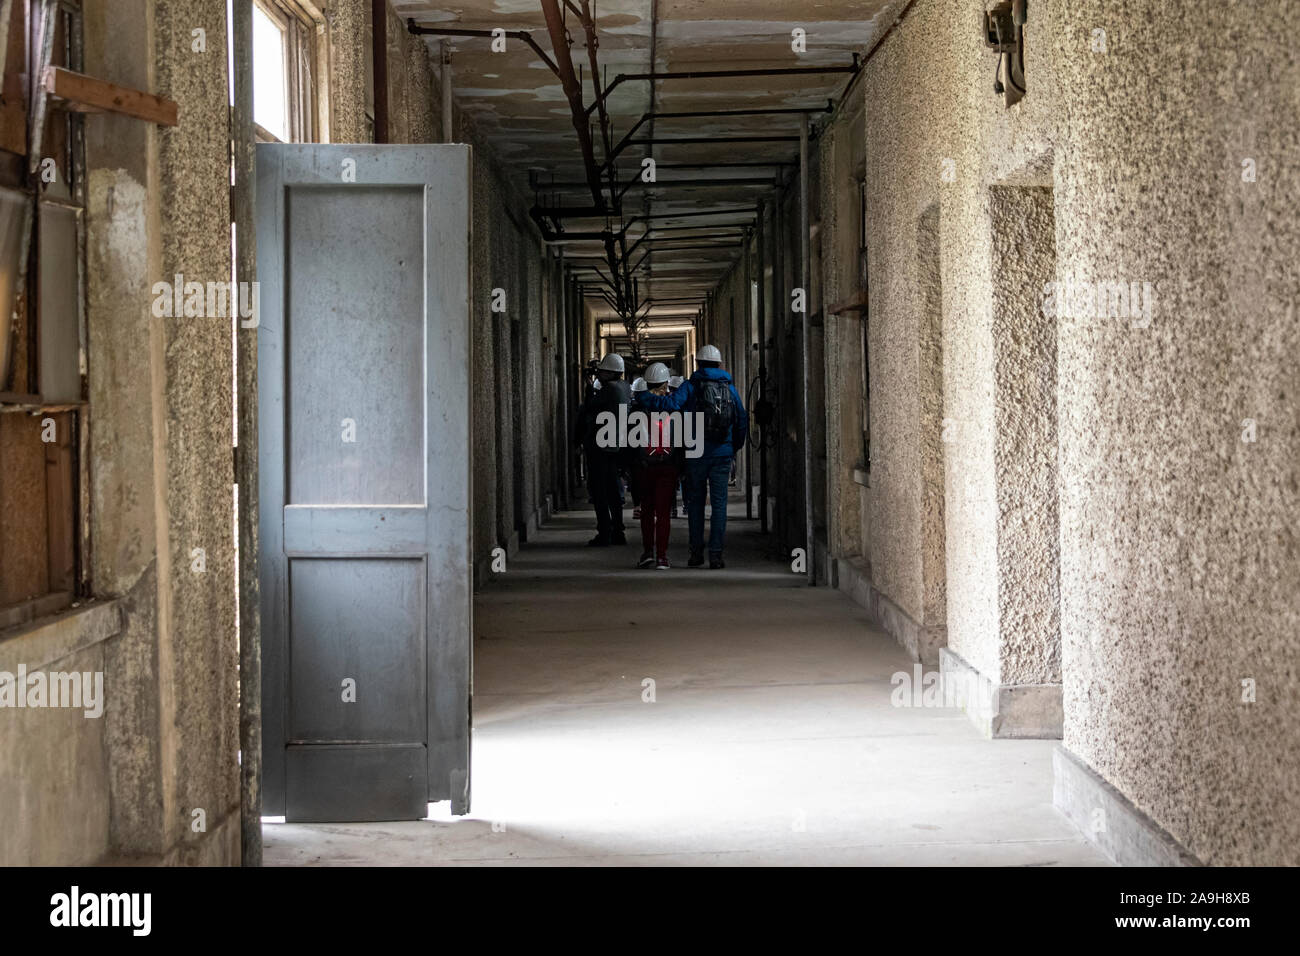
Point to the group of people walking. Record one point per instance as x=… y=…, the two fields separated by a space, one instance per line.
x=677 y=412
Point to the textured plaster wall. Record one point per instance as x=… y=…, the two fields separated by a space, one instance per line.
x=197 y=656
x=918 y=126
x=1178 y=552
x=937 y=140
x=349 y=36
x=1024 y=251
x=929 y=369
x=842 y=146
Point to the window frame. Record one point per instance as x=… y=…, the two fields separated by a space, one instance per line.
x=306 y=71
x=61 y=138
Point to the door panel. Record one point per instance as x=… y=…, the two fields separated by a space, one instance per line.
x=351 y=345
x=391 y=775
x=364 y=619
x=363 y=420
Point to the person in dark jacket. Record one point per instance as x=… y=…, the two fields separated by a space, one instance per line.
x=711 y=393
x=603 y=463
x=674 y=383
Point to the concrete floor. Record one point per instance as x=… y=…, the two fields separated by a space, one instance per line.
x=771 y=738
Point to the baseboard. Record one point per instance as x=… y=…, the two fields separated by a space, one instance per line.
x=1109 y=820
x=922 y=642
x=1023 y=711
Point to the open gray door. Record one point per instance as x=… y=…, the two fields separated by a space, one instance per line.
x=364 y=466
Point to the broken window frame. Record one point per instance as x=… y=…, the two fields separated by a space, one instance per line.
x=28 y=323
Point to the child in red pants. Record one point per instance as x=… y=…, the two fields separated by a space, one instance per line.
x=659 y=476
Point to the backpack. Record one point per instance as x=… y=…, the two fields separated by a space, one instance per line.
x=718 y=408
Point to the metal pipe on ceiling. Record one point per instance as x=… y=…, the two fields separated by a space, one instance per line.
x=735 y=237
x=693 y=214
x=524 y=35
x=612 y=155
x=629 y=293
x=657 y=76
x=776 y=163
x=539 y=214
x=593 y=44
x=573 y=92
x=692 y=140
x=637 y=182
x=703 y=225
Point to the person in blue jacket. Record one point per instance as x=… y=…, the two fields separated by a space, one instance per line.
x=726 y=425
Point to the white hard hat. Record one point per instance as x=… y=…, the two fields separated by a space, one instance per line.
x=613 y=362
x=656 y=374
x=675 y=381
x=708 y=353
x=638 y=385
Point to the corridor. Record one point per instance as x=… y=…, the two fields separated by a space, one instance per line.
x=334 y=333
x=771 y=739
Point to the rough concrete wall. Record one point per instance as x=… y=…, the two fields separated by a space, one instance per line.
x=895 y=413
x=522 y=410
x=838 y=201
x=415 y=105
x=785 y=367
x=54 y=793
x=1177 y=538
x=197 y=654
x=929 y=377
x=532 y=408
x=934 y=135
x=349 y=55
x=161 y=485
x=501 y=375
x=121 y=166
x=1180 y=552
x=911 y=75
x=1024 y=259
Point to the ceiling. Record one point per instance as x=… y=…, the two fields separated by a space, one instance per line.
x=518 y=104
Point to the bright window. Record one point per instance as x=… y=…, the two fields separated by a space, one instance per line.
x=270 y=74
